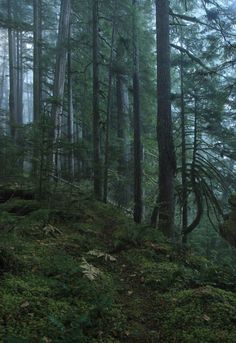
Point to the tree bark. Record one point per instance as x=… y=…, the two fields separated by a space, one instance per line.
x=60 y=74
x=12 y=75
x=183 y=146
x=96 y=112
x=70 y=118
x=37 y=72
x=37 y=79
x=137 y=125
x=109 y=99
x=122 y=97
x=19 y=73
x=3 y=79
x=167 y=163
x=195 y=185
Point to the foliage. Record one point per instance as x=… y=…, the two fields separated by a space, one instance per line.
x=80 y=286
x=197 y=316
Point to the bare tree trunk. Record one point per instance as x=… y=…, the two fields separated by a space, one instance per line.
x=60 y=74
x=79 y=163
x=4 y=91
x=19 y=73
x=137 y=125
x=37 y=81
x=183 y=157
x=12 y=75
x=3 y=79
x=37 y=72
x=109 y=98
x=122 y=97
x=19 y=100
x=96 y=112
x=167 y=163
x=83 y=134
x=70 y=118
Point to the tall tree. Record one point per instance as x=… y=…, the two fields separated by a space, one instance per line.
x=12 y=72
x=109 y=100
x=138 y=205
x=183 y=148
x=19 y=77
x=122 y=100
x=70 y=117
x=37 y=73
x=60 y=73
x=167 y=163
x=4 y=68
x=96 y=111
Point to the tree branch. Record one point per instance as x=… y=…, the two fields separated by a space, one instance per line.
x=191 y=56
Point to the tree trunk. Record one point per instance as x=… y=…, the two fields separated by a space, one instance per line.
x=183 y=157
x=12 y=75
x=137 y=126
x=167 y=163
x=60 y=74
x=37 y=79
x=122 y=97
x=70 y=118
x=109 y=98
x=195 y=186
x=37 y=72
x=96 y=112
x=3 y=80
x=19 y=73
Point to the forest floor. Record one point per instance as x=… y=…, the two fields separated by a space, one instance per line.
x=75 y=270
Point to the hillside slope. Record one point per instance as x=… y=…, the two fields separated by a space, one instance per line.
x=76 y=270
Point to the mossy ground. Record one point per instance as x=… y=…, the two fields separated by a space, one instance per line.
x=80 y=271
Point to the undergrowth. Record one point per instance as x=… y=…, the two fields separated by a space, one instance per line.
x=75 y=270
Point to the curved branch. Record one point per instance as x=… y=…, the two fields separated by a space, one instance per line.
x=191 y=56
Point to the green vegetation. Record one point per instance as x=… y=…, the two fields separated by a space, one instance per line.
x=83 y=272
x=118 y=159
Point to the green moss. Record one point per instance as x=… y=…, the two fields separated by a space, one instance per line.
x=28 y=305
x=9 y=262
x=195 y=262
x=161 y=275
x=28 y=285
x=142 y=296
x=20 y=206
x=131 y=234
x=59 y=308
x=40 y=216
x=158 y=273
x=7 y=220
x=205 y=314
